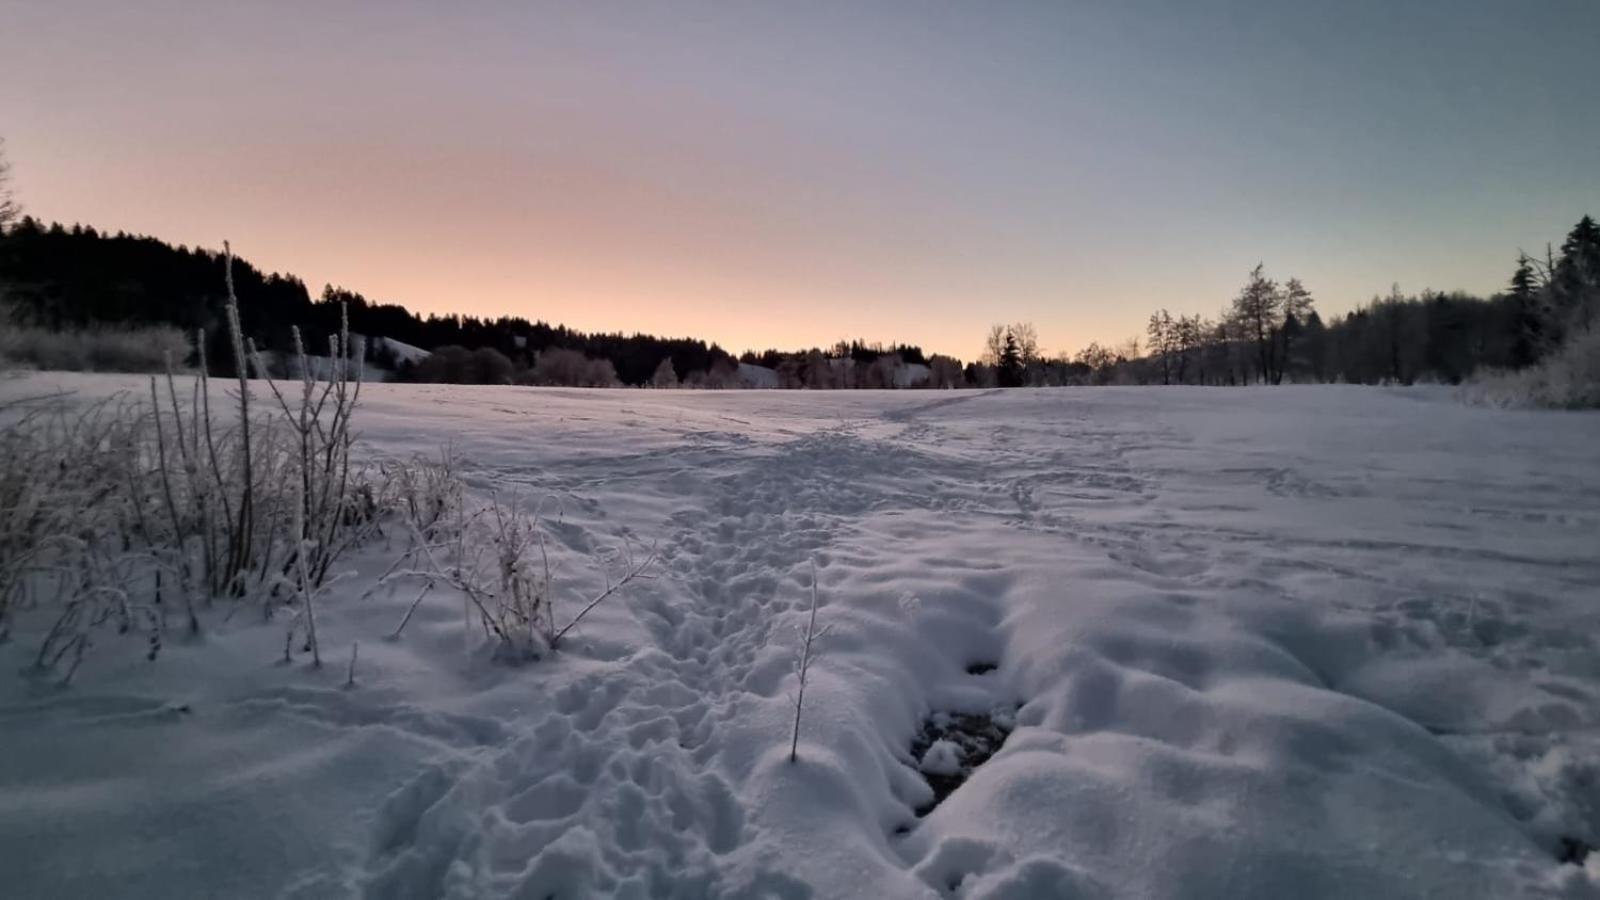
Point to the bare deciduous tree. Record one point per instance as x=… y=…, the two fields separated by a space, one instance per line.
x=10 y=210
x=1256 y=309
x=994 y=344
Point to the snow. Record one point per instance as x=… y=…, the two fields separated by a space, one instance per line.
x=1311 y=642
x=403 y=352
x=943 y=758
x=754 y=376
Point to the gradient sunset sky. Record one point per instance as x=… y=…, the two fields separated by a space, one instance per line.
x=788 y=174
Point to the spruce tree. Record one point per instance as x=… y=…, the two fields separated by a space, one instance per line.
x=1008 y=372
x=1575 y=278
x=1527 y=324
x=1296 y=301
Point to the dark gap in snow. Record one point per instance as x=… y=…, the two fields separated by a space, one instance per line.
x=951 y=745
x=981 y=667
x=1574 y=850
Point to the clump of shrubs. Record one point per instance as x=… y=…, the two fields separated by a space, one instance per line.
x=141 y=513
x=96 y=349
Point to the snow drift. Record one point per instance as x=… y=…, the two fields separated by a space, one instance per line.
x=1317 y=642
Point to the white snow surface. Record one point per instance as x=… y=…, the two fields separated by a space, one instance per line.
x=403 y=351
x=942 y=758
x=1292 y=642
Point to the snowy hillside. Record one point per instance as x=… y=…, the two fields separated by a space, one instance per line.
x=1308 y=642
x=754 y=376
x=401 y=351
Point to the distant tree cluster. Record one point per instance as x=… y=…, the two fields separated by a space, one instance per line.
x=1272 y=332
x=855 y=364
x=63 y=279
x=71 y=278
x=1012 y=357
x=1262 y=337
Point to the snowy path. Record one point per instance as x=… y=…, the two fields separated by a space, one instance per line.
x=1309 y=642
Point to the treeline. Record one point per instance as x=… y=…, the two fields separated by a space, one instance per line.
x=63 y=278
x=71 y=279
x=858 y=364
x=1272 y=332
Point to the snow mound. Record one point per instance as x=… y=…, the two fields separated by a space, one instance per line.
x=943 y=757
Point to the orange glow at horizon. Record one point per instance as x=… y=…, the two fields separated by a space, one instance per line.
x=776 y=176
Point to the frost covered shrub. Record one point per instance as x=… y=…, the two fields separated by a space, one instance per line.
x=101 y=349
x=1569 y=378
x=458 y=365
x=425 y=492
x=496 y=557
x=560 y=367
x=59 y=472
x=130 y=513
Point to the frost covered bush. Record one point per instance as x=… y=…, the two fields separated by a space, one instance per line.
x=1567 y=379
x=60 y=475
x=458 y=365
x=424 y=491
x=496 y=557
x=101 y=349
x=561 y=367
x=127 y=514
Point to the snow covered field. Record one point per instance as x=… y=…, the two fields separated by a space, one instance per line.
x=1308 y=642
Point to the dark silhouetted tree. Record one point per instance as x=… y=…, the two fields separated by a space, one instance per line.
x=1256 y=310
x=1295 y=307
x=1527 y=318
x=1008 y=370
x=1161 y=342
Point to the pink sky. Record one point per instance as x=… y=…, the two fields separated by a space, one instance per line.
x=789 y=175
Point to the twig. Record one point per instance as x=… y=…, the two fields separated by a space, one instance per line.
x=804 y=666
x=426 y=587
x=635 y=572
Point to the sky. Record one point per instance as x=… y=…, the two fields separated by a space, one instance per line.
x=789 y=174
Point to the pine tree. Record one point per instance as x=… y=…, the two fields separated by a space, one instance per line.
x=1187 y=337
x=1582 y=246
x=1296 y=301
x=1575 y=277
x=1008 y=371
x=1527 y=325
x=1314 y=340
